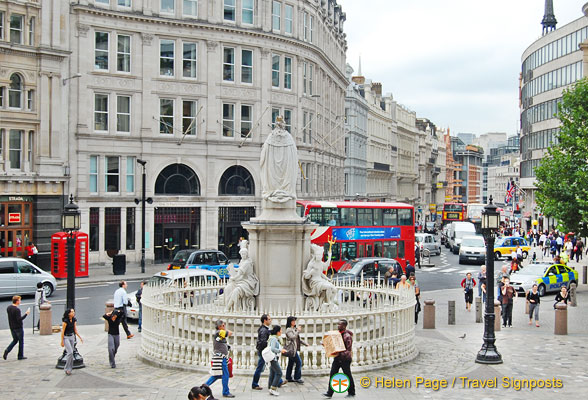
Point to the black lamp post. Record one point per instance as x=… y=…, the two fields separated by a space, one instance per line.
x=143 y=201
x=70 y=223
x=488 y=354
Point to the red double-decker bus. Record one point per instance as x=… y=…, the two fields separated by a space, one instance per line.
x=454 y=212
x=362 y=229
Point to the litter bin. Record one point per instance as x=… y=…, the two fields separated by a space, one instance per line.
x=119 y=264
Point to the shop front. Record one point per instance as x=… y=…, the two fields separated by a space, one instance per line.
x=176 y=228
x=16 y=225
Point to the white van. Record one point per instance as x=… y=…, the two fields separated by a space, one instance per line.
x=457 y=230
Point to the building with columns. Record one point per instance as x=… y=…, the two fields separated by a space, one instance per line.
x=33 y=124
x=192 y=88
x=550 y=65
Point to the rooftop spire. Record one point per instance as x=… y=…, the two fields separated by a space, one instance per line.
x=549 y=20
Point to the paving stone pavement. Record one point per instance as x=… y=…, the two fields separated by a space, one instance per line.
x=528 y=352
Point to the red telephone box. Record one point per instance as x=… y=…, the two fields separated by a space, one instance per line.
x=59 y=254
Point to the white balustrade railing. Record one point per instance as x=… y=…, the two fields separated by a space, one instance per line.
x=179 y=325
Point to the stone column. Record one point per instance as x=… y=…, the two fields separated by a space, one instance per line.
x=561 y=319
x=584 y=47
x=45 y=321
x=497 y=315
x=429 y=315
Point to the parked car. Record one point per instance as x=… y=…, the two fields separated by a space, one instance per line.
x=371 y=267
x=457 y=230
x=472 y=250
x=429 y=242
x=20 y=277
x=169 y=278
x=180 y=259
x=548 y=277
x=507 y=245
x=211 y=260
x=444 y=238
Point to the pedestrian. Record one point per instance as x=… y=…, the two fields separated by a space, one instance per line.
x=16 y=329
x=519 y=255
x=121 y=300
x=220 y=358
x=579 y=249
x=138 y=296
x=403 y=284
x=562 y=297
x=202 y=392
x=69 y=331
x=417 y=293
x=481 y=279
x=508 y=294
x=568 y=248
x=32 y=253
x=483 y=286
x=559 y=244
x=409 y=269
x=542 y=243
x=263 y=334
x=553 y=247
x=417 y=253
x=40 y=298
x=113 y=319
x=343 y=360
x=275 y=374
x=468 y=284
x=294 y=341
x=534 y=300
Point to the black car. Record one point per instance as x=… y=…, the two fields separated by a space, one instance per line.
x=198 y=257
x=372 y=268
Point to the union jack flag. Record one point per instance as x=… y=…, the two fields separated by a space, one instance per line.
x=510 y=189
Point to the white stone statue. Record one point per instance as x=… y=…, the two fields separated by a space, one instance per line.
x=279 y=165
x=315 y=284
x=243 y=285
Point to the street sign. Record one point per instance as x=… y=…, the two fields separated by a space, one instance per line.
x=14 y=218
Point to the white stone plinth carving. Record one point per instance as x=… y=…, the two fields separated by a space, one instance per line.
x=316 y=286
x=243 y=286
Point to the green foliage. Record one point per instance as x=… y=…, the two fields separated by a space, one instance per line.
x=562 y=176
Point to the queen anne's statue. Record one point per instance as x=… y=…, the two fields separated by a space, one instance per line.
x=279 y=165
x=315 y=284
x=243 y=285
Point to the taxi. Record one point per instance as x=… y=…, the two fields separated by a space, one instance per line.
x=548 y=277
x=505 y=246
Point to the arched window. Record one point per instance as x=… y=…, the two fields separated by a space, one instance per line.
x=236 y=181
x=177 y=179
x=15 y=91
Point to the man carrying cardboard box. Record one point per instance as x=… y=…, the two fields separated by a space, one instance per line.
x=342 y=360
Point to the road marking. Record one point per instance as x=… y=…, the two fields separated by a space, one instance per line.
x=431 y=269
x=451 y=270
x=83 y=286
x=55 y=301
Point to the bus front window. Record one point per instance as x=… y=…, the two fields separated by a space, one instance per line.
x=349 y=250
x=405 y=217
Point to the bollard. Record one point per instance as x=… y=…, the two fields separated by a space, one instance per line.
x=497 y=316
x=527 y=307
x=45 y=319
x=561 y=319
x=573 y=297
x=585 y=277
x=429 y=315
x=109 y=308
x=451 y=312
x=478 y=301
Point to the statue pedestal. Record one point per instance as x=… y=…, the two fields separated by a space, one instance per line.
x=278 y=212
x=280 y=251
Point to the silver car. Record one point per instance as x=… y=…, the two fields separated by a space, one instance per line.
x=20 y=277
x=429 y=242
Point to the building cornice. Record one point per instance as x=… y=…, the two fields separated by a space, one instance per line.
x=33 y=52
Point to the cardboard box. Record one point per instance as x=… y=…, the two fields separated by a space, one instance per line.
x=333 y=343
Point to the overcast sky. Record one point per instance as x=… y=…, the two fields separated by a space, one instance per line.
x=456 y=62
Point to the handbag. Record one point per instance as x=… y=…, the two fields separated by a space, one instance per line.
x=290 y=348
x=230 y=367
x=267 y=354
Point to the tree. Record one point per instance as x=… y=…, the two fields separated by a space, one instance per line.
x=562 y=176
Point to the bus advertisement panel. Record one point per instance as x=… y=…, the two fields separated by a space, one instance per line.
x=454 y=212
x=362 y=229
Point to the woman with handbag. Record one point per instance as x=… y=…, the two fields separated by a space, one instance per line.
x=292 y=348
x=275 y=369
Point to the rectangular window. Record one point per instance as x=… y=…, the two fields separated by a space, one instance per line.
x=94 y=240
x=101 y=51
x=246 y=120
x=246 y=66
x=15 y=148
x=276 y=15
x=304 y=77
x=288 y=120
x=288 y=18
x=1 y=150
x=166 y=116
x=304 y=127
x=31 y=100
x=189 y=60
x=93 y=174
x=130 y=228
x=32 y=31
x=1 y=96
x=130 y=174
x=305 y=27
x=287 y=73
x=1 y=25
x=189 y=117
x=275 y=113
x=112 y=168
x=247 y=11
x=190 y=8
x=101 y=112
x=229 y=10
x=310 y=123
x=124 y=3
x=229 y=64
x=103 y=1
x=166 y=57
x=228 y=120
x=112 y=228
x=16 y=27
x=123 y=114
x=30 y=147
x=311 y=19
x=167 y=6
x=310 y=79
x=275 y=70
x=123 y=54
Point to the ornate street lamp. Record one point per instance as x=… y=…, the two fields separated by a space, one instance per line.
x=70 y=223
x=143 y=201
x=488 y=354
